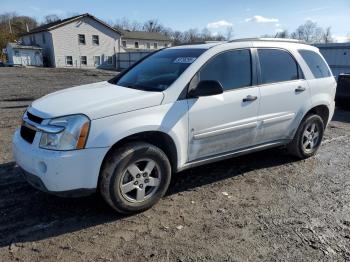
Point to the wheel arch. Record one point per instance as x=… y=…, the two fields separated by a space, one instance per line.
x=156 y=138
x=322 y=110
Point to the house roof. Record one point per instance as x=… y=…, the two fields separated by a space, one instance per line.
x=333 y=45
x=58 y=23
x=18 y=46
x=144 y=35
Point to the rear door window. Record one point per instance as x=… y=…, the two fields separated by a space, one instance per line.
x=316 y=64
x=277 y=66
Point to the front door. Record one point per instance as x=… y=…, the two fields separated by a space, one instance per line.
x=225 y=122
x=284 y=95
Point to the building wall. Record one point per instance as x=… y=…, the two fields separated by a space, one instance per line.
x=10 y=54
x=25 y=57
x=126 y=59
x=65 y=41
x=130 y=44
x=337 y=56
x=44 y=40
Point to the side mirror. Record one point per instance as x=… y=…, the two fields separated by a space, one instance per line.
x=207 y=88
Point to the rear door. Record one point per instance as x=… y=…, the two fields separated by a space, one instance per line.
x=284 y=94
x=225 y=122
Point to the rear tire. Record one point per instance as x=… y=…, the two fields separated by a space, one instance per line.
x=134 y=177
x=308 y=137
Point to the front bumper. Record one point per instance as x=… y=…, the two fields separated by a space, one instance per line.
x=58 y=172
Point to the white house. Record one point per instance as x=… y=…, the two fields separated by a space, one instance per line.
x=24 y=55
x=81 y=41
x=139 y=40
x=84 y=41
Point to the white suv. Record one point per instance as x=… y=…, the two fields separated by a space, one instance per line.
x=178 y=108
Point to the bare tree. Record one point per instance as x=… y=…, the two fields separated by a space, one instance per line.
x=229 y=33
x=309 y=32
x=126 y=24
x=51 y=18
x=206 y=35
x=282 y=34
x=192 y=36
x=15 y=24
x=177 y=37
x=153 y=25
x=327 y=36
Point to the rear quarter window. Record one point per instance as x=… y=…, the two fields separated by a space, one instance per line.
x=316 y=63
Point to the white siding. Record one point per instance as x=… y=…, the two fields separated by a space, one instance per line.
x=130 y=44
x=25 y=57
x=47 y=45
x=65 y=41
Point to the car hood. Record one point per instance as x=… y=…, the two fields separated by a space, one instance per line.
x=94 y=100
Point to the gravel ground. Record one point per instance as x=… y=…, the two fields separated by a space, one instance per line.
x=262 y=207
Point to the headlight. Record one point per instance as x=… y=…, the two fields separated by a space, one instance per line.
x=74 y=135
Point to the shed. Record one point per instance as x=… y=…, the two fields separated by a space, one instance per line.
x=24 y=55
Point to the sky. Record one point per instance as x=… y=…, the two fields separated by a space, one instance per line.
x=248 y=18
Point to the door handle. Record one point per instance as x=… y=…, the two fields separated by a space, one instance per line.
x=250 y=98
x=300 y=89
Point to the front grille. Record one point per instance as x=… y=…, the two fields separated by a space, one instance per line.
x=27 y=134
x=34 y=118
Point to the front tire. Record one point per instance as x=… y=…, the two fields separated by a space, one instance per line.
x=308 y=137
x=134 y=177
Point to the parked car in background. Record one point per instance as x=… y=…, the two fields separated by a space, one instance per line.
x=177 y=108
x=342 y=96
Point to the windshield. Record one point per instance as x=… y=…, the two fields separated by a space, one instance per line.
x=158 y=71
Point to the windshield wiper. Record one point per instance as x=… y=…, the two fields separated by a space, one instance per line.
x=143 y=88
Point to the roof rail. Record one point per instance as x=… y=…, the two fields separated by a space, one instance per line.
x=267 y=40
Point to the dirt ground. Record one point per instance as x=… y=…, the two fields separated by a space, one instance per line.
x=262 y=207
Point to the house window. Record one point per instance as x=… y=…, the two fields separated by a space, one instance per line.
x=81 y=39
x=124 y=43
x=155 y=45
x=69 y=60
x=109 y=60
x=95 y=40
x=16 y=53
x=43 y=38
x=148 y=45
x=83 y=60
x=136 y=44
x=165 y=45
x=97 y=60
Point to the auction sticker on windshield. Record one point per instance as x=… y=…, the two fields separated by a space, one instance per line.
x=184 y=60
